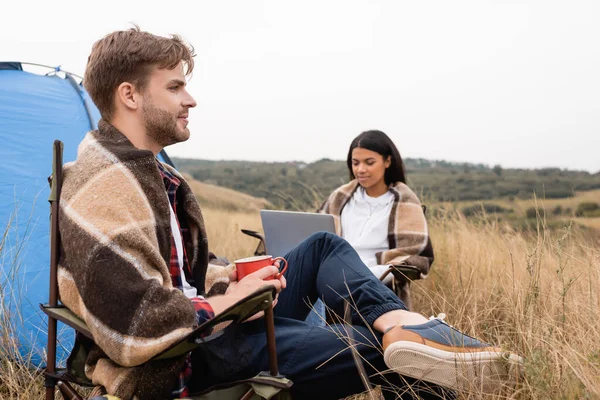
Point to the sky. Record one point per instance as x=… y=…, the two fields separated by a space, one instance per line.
x=514 y=83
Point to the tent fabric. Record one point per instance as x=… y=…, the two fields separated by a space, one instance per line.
x=34 y=111
x=15 y=66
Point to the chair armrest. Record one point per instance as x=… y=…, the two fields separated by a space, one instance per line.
x=237 y=313
x=254 y=234
x=404 y=272
x=66 y=316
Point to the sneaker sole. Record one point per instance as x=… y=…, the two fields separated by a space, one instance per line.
x=471 y=371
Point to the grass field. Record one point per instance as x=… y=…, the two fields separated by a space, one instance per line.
x=515 y=215
x=520 y=205
x=535 y=294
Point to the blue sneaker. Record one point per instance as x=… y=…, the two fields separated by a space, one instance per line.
x=438 y=353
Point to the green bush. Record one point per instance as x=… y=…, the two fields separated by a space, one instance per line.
x=587 y=208
x=533 y=212
x=592 y=214
x=486 y=208
x=558 y=210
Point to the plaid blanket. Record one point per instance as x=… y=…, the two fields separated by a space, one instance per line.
x=407 y=228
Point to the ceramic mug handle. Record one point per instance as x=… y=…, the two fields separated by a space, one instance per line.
x=281 y=271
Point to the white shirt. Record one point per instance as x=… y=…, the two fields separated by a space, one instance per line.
x=365 y=224
x=189 y=291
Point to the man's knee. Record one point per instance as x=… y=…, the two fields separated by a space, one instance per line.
x=325 y=238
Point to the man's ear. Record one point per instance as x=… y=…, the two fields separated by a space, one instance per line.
x=127 y=96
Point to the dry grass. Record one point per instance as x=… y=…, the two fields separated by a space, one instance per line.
x=521 y=205
x=589 y=222
x=224 y=236
x=17 y=379
x=221 y=198
x=226 y=212
x=549 y=204
x=538 y=295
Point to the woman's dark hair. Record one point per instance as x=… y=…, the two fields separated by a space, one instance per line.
x=379 y=142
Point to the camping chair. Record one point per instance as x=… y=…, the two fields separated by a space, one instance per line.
x=265 y=385
x=400 y=284
x=261 y=249
x=403 y=275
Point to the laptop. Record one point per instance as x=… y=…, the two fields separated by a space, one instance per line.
x=285 y=230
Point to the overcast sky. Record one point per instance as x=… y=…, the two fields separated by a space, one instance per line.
x=515 y=83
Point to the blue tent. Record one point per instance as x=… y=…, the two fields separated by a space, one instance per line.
x=34 y=111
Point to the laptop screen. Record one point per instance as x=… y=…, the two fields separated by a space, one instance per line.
x=284 y=230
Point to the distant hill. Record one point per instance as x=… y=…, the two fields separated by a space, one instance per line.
x=221 y=198
x=298 y=185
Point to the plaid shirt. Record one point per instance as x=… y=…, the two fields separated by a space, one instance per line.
x=204 y=311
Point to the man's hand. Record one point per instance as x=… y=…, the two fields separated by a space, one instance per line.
x=250 y=284
x=255 y=281
x=282 y=280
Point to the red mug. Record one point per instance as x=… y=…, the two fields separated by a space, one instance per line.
x=249 y=265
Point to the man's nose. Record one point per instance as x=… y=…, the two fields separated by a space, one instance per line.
x=189 y=101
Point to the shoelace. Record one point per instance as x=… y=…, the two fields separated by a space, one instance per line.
x=440 y=316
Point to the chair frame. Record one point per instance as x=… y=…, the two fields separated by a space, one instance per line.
x=261 y=300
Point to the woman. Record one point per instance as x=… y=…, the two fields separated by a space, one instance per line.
x=377 y=213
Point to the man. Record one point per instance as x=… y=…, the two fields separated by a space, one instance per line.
x=135 y=260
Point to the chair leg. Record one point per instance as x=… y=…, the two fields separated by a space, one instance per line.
x=50 y=392
x=50 y=383
x=402 y=290
x=271 y=349
x=248 y=395
x=271 y=345
x=67 y=391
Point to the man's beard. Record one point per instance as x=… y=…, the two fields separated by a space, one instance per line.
x=161 y=126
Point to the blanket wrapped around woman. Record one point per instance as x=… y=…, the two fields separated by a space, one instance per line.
x=408 y=236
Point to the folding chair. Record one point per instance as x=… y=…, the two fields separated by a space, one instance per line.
x=400 y=284
x=404 y=275
x=261 y=249
x=266 y=385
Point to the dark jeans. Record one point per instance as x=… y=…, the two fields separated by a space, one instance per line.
x=315 y=358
